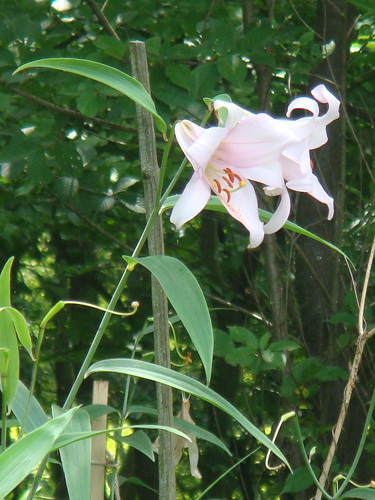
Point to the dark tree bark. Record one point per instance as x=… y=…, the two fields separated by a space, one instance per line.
x=317 y=267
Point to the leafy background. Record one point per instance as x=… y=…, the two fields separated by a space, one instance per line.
x=71 y=204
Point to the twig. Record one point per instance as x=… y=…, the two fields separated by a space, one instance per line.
x=99 y=229
x=102 y=19
x=70 y=112
x=363 y=336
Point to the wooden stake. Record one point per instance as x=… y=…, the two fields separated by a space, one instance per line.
x=98 y=459
x=150 y=175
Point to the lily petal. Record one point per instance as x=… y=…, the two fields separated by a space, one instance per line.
x=197 y=143
x=281 y=215
x=312 y=186
x=255 y=141
x=192 y=201
x=235 y=113
x=243 y=206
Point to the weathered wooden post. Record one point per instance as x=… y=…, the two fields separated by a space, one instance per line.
x=98 y=458
x=150 y=176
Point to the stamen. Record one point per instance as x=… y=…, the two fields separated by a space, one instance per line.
x=217 y=185
x=227 y=181
x=228 y=194
x=237 y=177
x=230 y=173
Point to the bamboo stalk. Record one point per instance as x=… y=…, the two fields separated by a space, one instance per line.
x=99 y=396
x=150 y=176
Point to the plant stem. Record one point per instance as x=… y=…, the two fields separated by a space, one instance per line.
x=306 y=459
x=33 y=379
x=360 y=447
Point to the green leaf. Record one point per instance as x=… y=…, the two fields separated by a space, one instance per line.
x=22 y=329
x=232 y=68
x=241 y=334
x=179 y=74
x=140 y=441
x=179 y=283
x=35 y=417
x=102 y=73
x=17 y=461
x=284 y=345
x=364 y=5
x=215 y=205
x=183 y=383
x=76 y=457
x=87 y=103
x=329 y=373
x=365 y=493
x=8 y=339
x=200 y=433
x=300 y=480
x=185 y=426
x=223 y=343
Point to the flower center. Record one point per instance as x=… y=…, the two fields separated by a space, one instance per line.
x=225 y=181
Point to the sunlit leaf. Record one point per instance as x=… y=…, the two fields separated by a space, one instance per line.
x=76 y=457
x=102 y=73
x=9 y=364
x=215 y=205
x=179 y=283
x=17 y=461
x=183 y=383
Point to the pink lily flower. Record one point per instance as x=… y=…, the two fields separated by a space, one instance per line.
x=254 y=147
x=295 y=161
x=224 y=159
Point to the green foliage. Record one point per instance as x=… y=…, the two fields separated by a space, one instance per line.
x=17 y=461
x=183 y=383
x=178 y=283
x=72 y=205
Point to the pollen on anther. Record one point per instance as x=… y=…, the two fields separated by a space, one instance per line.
x=237 y=177
x=217 y=183
x=228 y=194
x=230 y=173
x=230 y=184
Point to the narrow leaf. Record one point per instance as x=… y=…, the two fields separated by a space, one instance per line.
x=186 y=297
x=200 y=433
x=76 y=457
x=102 y=73
x=216 y=206
x=182 y=382
x=187 y=427
x=365 y=493
x=8 y=339
x=68 y=438
x=21 y=458
x=36 y=416
x=140 y=441
x=21 y=328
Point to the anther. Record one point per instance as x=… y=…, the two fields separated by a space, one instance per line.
x=230 y=173
x=217 y=185
x=237 y=177
x=228 y=194
x=230 y=184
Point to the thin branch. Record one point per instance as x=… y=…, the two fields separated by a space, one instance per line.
x=363 y=336
x=89 y=222
x=70 y=112
x=102 y=19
